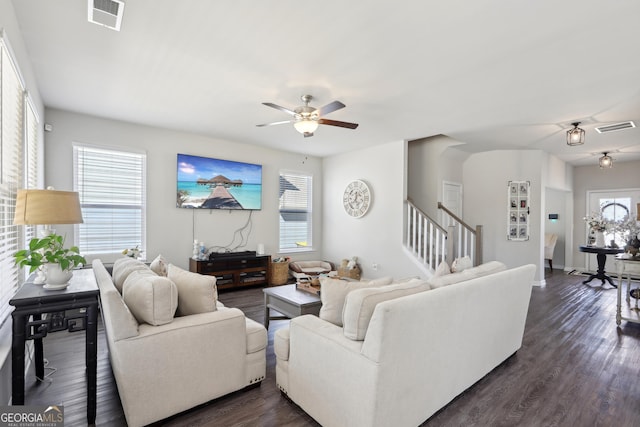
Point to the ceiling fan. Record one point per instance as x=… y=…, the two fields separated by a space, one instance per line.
x=306 y=118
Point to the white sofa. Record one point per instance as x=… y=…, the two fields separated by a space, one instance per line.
x=418 y=353
x=183 y=361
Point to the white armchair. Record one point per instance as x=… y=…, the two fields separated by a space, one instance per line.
x=550 y=240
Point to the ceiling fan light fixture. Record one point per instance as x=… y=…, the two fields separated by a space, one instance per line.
x=605 y=161
x=306 y=127
x=575 y=136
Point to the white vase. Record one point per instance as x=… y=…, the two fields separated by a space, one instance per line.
x=599 y=240
x=57 y=278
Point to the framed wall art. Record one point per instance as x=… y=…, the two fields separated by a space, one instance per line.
x=518 y=210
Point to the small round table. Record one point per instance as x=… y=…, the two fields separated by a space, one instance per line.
x=601 y=256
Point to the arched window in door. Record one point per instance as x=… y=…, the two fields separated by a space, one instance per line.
x=615 y=210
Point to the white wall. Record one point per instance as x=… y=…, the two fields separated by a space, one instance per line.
x=555 y=202
x=430 y=161
x=377 y=236
x=170 y=230
x=485 y=202
x=557 y=187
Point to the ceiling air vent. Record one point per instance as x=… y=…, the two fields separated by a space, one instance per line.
x=616 y=126
x=107 y=13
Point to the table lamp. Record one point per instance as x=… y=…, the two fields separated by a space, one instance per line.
x=47 y=207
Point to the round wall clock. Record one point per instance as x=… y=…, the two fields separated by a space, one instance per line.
x=357 y=198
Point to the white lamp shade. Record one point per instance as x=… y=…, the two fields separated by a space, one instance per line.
x=306 y=126
x=43 y=207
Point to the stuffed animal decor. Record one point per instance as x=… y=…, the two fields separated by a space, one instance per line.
x=349 y=268
x=353 y=263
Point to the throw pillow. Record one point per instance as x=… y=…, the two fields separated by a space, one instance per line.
x=442 y=270
x=334 y=291
x=151 y=299
x=360 y=304
x=159 y=266
x=460 y=264
x=487 y=268
x=468 y=274
x=197 y=293
x=123 y=267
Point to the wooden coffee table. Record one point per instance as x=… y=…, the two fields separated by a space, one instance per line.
x=290 y=302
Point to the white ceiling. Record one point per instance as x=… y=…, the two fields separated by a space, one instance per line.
x=493 y=74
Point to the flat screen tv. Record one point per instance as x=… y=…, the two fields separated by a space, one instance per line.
x=207 y=183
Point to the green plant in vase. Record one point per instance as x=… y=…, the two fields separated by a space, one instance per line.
x=50 y=251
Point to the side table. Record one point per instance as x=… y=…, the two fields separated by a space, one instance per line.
x=626 y=266
x=31 y=302
x=601 y=256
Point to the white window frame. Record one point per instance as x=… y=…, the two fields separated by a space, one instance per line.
x=115 y=240
x=283 y=246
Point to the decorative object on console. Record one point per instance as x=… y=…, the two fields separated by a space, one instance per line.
x=598 y=224
x=518 y=210
x=629 y=228
x=356 y=199
x=132 y=252
x=47 y=207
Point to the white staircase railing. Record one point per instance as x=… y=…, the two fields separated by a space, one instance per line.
x=425 y=238
x=431 y=243
x=463 y=239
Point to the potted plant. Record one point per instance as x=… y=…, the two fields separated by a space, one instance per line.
x=629 y=229
x=50 y=251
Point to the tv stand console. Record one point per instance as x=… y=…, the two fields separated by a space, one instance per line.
x=235 y=271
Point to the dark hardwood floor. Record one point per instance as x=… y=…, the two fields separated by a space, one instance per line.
x=575 y=368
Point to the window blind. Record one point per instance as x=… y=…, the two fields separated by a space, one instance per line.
x=112 y=189
x=295 y=212
x=11 y=176
x=32 y=135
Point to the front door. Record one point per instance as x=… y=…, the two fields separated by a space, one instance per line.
x=614 y=205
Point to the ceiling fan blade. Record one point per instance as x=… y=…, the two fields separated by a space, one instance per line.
x=278 y=107
x=338 y=123
x=329 y=108
x=275 y=123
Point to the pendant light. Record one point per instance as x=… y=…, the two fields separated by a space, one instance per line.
x=605 y=161
x=575 y=136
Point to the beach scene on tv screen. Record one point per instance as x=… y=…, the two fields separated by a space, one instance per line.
x=208 y=183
